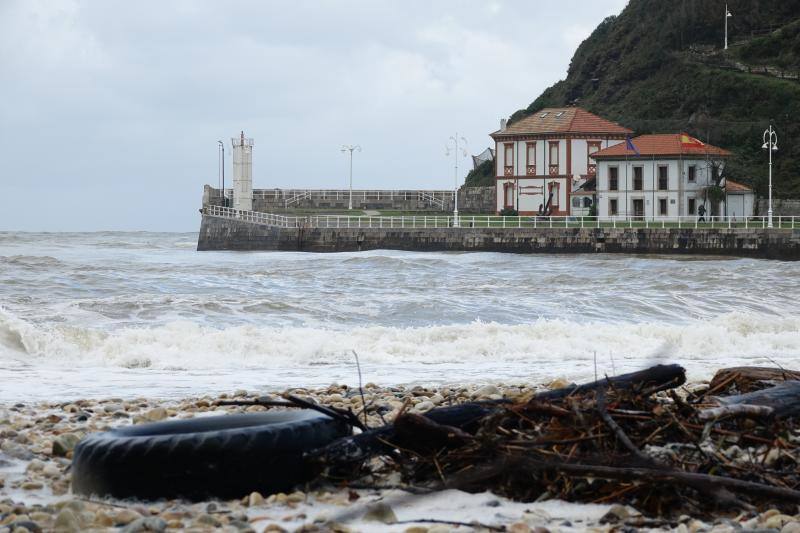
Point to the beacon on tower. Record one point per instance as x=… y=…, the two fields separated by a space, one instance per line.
x=242 y=172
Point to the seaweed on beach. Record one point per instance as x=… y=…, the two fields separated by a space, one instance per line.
x=640 y=439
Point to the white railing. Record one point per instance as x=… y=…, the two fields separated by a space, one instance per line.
x=344 y=194
x=479 y=221
x=253 y=216
x=289 y=197
x=431 y=199
x=482 y=221
x=296 y=198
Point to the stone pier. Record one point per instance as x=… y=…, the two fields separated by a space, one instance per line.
x=229 y=234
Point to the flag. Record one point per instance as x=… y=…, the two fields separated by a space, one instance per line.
x=687 y=141
x=630 y=146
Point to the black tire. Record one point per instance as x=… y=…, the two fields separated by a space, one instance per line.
x=200 y=458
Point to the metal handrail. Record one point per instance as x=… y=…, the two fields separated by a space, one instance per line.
x=484 y=221
x=425 y=196
x=255 y=217
x=501 y=222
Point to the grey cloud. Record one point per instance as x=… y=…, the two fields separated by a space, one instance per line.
x=115 y=106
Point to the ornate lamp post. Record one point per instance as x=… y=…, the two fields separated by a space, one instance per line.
x=452 y=146
x=350 y=148
x=770 y=145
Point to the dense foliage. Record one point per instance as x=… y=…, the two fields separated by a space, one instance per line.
x=481 y=176
x=659 y=67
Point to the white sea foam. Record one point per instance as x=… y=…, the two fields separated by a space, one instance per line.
x=187 y=345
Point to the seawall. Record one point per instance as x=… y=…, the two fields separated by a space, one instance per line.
x=230 y=234
x=470 y=200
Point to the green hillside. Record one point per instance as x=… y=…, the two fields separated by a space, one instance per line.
x=659 y=67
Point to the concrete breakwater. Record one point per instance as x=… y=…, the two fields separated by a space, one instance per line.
x=217 y=233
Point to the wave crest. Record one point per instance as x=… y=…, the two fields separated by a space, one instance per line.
x=183 y=344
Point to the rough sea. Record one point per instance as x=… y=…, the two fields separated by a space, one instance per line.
x=143 y=314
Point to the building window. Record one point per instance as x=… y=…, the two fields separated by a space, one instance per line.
x=554 y=158
x=662 y=206
x=530 y=158
x=663 y=178
x=554 y=187
x=591 y=166
x=508 y=195
x=691 y=204
x=508 y=159
x=576 y=201
x=692 y=173
x=638 y=207
x=638 y=179
x=612 y=206
x=613 y=178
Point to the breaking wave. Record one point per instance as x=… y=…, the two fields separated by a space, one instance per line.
x=188 y=345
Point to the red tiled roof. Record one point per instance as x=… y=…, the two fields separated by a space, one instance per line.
x=661 y=145
x=562 y=120
x=735 y=186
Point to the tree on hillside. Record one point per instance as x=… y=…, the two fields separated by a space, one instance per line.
x=635 y=69
x=482 y=175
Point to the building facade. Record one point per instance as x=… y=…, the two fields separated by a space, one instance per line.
x=541 y=159
x=666 y=175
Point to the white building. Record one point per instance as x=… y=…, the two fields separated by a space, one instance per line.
x=665 y=175
x=548 y=153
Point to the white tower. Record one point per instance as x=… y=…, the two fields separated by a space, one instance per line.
x=242 y=172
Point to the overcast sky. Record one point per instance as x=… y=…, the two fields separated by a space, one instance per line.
x=110 y=110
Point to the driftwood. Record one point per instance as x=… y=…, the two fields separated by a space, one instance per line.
x=749 y=378
x=611 y=440
x=648 y=381
x=780 y=401
x=413 y=431
x=360 y=447
x=668 y=476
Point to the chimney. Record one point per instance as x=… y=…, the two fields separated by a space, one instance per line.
x=503 y=122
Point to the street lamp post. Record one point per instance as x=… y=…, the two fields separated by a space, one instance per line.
x=452 y=145
x=350 y=148
x=222 y=191
x=770 y=145
x=727 y=16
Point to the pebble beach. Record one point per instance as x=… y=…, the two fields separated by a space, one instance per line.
x=37 y=440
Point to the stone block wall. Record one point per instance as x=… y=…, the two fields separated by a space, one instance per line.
x=227 y=234
x=784 y=207
x=470 y=199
